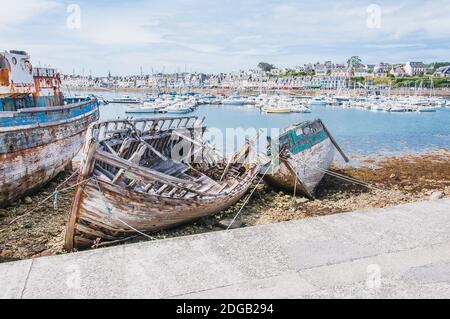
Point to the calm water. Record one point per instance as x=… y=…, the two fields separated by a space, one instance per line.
x=359 y=132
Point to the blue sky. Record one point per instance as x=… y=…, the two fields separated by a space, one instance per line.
x=228 y=35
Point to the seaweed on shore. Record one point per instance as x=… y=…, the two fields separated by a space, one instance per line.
x=395 y=180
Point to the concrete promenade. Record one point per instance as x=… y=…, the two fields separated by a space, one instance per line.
x=401 y=252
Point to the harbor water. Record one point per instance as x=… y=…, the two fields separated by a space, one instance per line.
x=359 y=132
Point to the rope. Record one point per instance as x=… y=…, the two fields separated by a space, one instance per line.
x=343 y=177
x=44 y=200
x=251 y=194
x=295 y=185
x=326 y=171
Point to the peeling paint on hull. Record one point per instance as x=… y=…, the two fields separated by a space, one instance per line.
x=305 y=164
x=135 y=180
x=304 y=151
x=25 y=171
x=106 y=209
x=38 y=154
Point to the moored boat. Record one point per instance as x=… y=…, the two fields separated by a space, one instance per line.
x=126 y=99
x=300 y=158
x=147 y=107
x=144 y=175
x=40 y=132
x=277 y=109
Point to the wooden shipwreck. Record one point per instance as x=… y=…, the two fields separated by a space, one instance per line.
x=39 y=133
x=145 y=175
x=300 y=158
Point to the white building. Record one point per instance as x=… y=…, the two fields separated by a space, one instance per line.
x=443 y=72
x=415 y=68
x=360 y=72
x=334 y=83
x=321 y=70
x=397 y=71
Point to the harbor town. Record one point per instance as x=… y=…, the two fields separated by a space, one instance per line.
x=133 y=155
x=401 y=78
x=34 y=219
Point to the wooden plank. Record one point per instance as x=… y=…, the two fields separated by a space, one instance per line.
x=147 y=173
x=135 y=158
x=335 y=143
x=124 y=147
x=109 y=147
x=161 y=189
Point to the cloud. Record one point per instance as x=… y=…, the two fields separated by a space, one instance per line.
x=116 y=26
x=226 y=35
x=19 y=12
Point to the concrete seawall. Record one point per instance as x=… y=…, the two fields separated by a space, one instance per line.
x=382 y=253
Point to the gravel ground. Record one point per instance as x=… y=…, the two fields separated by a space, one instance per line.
x=394 y=180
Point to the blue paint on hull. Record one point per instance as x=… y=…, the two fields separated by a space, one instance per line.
x=15 y=119
x=302 y=137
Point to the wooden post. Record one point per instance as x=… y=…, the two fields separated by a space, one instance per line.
x=335 y=143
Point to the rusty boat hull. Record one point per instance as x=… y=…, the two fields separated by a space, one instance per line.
x=40 y=132
x=32 y=154
x=140 y=188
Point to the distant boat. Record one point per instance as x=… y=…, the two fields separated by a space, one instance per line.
x=300 y=158
x=233 y=100
x=145 y=108
x=397 y=109
x=178 y=109
x=126 y=99
x=377 y=107
x=40 y=131
x=277 y=109
x=300 y=109
x=317 y=101
x=426 y=109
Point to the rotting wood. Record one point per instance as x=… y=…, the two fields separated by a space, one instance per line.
x=160 y=191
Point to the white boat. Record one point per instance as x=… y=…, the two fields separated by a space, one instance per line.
x=377 y=107
x=277 y=109
x=318 y=100
x=397 y=109
x=126 y=99
x=233 y=102
x=179 y=108
x=145 y=108
x=424 y=109
x=300 y=109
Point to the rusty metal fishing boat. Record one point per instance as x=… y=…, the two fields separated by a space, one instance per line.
x=300 y=158
x=144 y=175
x=39 y=133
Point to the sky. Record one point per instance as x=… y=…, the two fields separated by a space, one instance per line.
x=121 y=37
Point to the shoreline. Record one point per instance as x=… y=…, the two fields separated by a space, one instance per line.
x=395 y=180
x=229 y=91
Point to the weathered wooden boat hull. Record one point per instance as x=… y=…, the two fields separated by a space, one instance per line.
x=137 y=181
x=304 y=165
x=102 y=210
x=31 y=155
x=305 y=152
